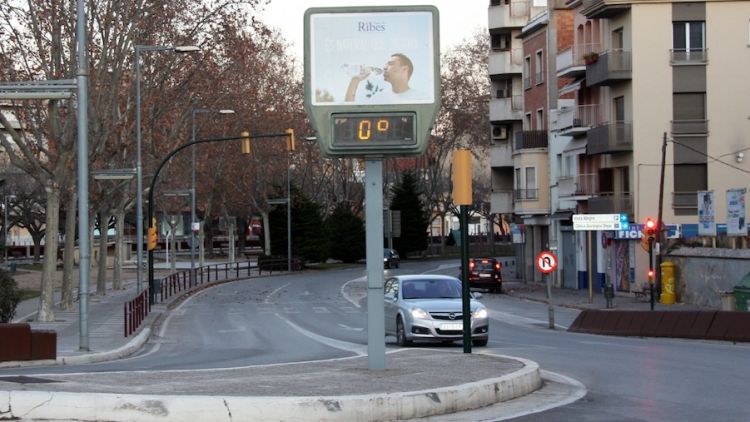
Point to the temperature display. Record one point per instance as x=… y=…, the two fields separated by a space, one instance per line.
x=375 y=129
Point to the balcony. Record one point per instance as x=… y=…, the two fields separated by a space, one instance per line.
x=526 y=195
x=501 y=154
x=514 y=15
x=578 y=186
x=608 y=68
x=506 y=62
x=611 y=203
x=690 y=127
x=610 y=138
x=502 y=202
x=685 y=200
x=693 y=56
x=578 y=120
x=506 y=109
x=595 y=9
x=571 y=63
x=531 y=139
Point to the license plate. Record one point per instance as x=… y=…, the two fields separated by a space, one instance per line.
x=485 y=275
x=451 y=327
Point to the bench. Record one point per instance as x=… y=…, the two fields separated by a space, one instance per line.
x=644 y=294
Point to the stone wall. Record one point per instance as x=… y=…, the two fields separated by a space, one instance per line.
x=701 y=273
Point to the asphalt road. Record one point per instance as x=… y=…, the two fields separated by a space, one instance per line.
x=306 y=316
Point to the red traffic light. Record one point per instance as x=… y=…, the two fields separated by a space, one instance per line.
x=650 y=275
x=650 y=226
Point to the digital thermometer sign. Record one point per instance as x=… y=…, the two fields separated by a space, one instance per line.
x=374 y=130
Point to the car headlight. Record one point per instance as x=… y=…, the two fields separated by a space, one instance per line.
x=385 y=259
x=419 y=313
x=480 y=314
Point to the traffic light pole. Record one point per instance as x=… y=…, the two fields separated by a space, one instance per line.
x=151 y=286
x=660 y=235
x=651 y=269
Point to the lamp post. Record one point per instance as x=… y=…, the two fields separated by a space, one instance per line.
x=183 y=193
x=138 y=167
x=193 y=216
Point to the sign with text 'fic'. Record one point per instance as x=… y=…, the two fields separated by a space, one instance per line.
x=372 y=78
x=593 y=222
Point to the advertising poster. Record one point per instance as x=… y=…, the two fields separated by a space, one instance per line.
x=736 y=212
x=706 y=213
x=379 y=58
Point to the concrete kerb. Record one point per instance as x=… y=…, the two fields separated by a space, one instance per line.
x=391 y=406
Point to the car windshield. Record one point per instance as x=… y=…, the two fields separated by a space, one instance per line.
x=444 y=288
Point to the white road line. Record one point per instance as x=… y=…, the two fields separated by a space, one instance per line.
x=359 y=349
x=346 y=296
x=268 y=297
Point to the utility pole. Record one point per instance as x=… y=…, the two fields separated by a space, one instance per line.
x=660 y=235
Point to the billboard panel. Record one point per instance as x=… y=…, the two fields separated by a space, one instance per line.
x=706 y=213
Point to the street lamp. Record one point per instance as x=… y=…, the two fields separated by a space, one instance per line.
x=173 y=194
x=139 y=169
x=193 y=217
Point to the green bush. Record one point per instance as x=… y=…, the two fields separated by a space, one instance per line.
x=9 y=296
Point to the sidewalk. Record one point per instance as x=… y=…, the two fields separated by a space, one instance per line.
x=579 y=299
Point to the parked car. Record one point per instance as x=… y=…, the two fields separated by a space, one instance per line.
x=484 y=273
x=391 y=258
x=429 y=307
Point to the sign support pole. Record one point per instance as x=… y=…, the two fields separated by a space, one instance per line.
x=374 y=236
x=590 y=248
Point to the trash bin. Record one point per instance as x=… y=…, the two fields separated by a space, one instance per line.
x=12 y=267
x=727 y=301
x=668 y=296
x=742 y=293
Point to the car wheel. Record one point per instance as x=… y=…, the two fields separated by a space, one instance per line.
x=479 y=342
x=401 y=334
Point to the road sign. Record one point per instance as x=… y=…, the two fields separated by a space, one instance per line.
x=372 y=78
x=589 y=222
x=546 y=262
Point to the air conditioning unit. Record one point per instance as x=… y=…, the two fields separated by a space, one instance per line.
x=499 y=133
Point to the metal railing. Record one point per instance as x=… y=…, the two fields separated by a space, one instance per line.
x=527 y=194
x=531 y=139
x=688 y=56
x=135 y=311
x=610 y=65
x=610 y=138
x=516 y=103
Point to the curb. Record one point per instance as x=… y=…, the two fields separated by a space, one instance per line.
x=392 y=406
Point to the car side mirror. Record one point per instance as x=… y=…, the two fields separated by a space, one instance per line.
x=388 y=296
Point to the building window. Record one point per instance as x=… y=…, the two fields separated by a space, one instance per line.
x=500 y=42
x=540 y=119
x=688 y=41
x=530 y=185
x=618 y=39
x=527 y=72
x=619 y=109
x=527 y=121
x=539 y=67
x=518 y=179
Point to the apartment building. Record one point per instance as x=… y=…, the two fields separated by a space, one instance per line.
x=506 y=20
x=639 y=70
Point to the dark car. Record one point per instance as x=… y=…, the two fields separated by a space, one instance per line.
x=391 y=258
x=484 y=273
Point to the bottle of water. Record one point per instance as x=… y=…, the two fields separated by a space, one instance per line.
x=353 y=70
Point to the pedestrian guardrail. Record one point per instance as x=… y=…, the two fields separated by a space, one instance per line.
x=136 y=310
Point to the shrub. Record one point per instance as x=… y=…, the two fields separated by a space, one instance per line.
x=9 y=296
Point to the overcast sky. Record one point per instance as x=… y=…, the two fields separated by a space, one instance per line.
x=459 y=19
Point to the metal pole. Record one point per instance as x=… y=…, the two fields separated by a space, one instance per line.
x=83 y=177
x=550 y=308
x=192 y=209
x=374 y=235
x=651 y=268
x=465 y=291
x=589 y=249
x=5 y=231
x=659 y=223
x=288 y=216
x=138 y=173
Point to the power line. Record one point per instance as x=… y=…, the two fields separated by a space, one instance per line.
x=709 y=156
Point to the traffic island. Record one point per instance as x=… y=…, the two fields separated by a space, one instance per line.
x=417 y=383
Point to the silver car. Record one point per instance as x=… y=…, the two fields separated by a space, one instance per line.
x=429 y=307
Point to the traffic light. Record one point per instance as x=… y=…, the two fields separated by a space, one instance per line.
x=651 y=275
x=152 y=238
x=246 y=146
x=650 y=227
x=290 y=142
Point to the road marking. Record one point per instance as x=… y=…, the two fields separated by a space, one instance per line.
x=233 y=330
x=321 y=310
x=351 y=299
x=442 y=267
x=359 y=349
x=268 y=297
x=346 y=327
